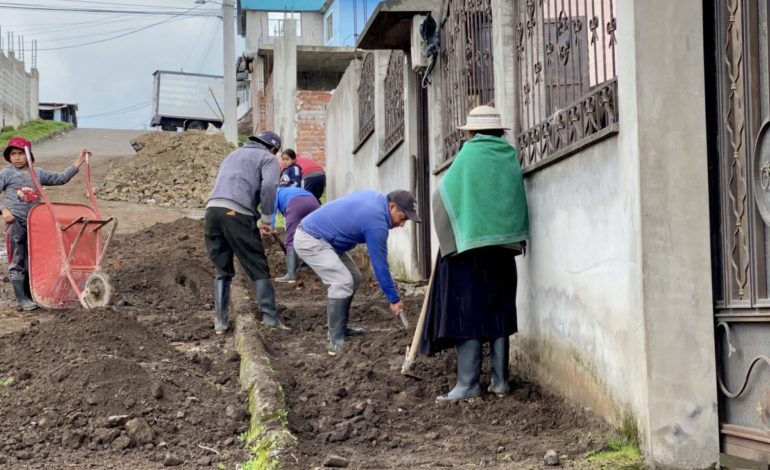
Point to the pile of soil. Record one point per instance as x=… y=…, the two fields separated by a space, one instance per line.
x=171 y=169
x=163 y=267
x=143 y=384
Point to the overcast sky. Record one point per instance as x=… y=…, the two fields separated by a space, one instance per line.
x=112 y=80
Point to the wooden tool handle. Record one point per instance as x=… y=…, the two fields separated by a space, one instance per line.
x=423 y=313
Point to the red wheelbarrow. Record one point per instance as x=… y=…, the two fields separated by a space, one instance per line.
x=66 y=250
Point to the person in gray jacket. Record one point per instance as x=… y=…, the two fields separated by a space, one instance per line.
x=20 y=196
x=246 y=178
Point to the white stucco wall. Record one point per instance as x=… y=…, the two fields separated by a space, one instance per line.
x=354 y=171
x=580 y=319
x=615 y=293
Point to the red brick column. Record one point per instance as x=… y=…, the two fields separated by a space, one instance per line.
x=311 y=124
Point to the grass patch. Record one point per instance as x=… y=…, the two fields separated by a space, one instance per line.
x=619 y=454
x=34 y=131
x=7 y=382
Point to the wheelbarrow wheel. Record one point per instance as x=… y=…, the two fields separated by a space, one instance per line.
x=98 y=290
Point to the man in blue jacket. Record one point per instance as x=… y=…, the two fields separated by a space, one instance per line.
x=246 y=178
x=326 y=235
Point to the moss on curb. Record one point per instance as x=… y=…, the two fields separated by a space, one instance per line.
x=268 y=437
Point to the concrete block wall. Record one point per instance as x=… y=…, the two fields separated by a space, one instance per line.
x=311 y=123
x=18 y=91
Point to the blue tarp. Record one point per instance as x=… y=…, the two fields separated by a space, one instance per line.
x=282 y=5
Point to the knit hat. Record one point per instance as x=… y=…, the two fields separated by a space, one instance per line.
x=17 y=143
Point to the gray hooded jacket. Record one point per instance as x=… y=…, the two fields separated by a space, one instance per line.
x=247 y=177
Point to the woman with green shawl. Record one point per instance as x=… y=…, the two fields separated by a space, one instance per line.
x=482 y=223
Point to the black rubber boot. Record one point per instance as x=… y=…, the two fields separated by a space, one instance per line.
x=291 y=267
x=222 y=305
x=266 y=301
x=498 y=358
x=337 y=319
x=468 y=372
x=22 y=301
x=351 y=331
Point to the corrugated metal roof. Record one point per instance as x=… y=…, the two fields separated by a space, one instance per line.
x=282 y=5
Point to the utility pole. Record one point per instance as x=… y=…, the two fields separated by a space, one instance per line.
x=230 y=126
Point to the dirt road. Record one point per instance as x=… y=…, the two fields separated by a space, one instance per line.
x=107 y=146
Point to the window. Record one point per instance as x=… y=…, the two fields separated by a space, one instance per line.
x=366 y=99
x=566 y=78
x=467 y=73
x=394 y=101
x=275 y=21
x=329 y=26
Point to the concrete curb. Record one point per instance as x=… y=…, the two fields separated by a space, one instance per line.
x=268 y=438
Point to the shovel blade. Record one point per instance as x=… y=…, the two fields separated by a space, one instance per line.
x=407 y=366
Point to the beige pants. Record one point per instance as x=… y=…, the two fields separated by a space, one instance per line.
x=338 y=271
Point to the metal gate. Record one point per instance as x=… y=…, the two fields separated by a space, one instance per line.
x=738 y=116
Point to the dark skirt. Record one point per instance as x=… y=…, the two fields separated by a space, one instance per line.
x=473 y=297
x=315 y=185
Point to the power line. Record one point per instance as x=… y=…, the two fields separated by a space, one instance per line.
x=211 y=46
x=194 y=47
x=114 y=112
x=119 y=35
x=102 y=33
x=92 y=2
x=20 y=6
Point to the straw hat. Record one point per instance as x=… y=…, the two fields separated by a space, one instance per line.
x=483 y=117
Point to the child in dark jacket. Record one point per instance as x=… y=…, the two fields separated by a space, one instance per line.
x=291 y=175
x=20 y=196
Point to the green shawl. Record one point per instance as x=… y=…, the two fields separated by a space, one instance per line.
x=483 y=192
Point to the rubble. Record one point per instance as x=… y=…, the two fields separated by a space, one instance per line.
x=169 y=170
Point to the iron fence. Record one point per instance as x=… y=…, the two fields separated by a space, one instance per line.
x=566 y=74
x=366 y=99
x=394 y=101
x=467 y=74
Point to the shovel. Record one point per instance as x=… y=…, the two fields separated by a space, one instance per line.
x=411 y=351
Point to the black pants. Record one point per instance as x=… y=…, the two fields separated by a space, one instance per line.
x=16 y=236
x=315 y=185
x=229 y=233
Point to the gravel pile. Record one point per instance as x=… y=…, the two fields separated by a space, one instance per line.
x=171 y=169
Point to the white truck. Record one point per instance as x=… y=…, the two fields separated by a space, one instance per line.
x=186 y=100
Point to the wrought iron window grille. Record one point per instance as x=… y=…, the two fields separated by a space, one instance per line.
x=566 y=77
x=467 y=74
x=394 y=102
x=366 y=108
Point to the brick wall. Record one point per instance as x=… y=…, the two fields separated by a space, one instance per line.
x=311 y=124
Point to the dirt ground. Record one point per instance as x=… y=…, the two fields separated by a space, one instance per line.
x=361 y=407
x=145 y=383
x=134 y=386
